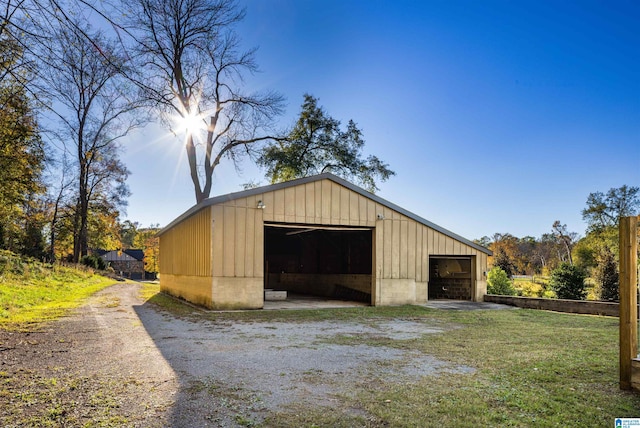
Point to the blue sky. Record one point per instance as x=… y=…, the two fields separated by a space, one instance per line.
x=497 y=116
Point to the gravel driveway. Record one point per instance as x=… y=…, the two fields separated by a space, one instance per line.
x=118 y=360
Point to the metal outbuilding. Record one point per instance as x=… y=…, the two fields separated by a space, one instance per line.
x=319 y=235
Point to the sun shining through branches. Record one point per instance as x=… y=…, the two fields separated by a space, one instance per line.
x=190 y=124
x=192 y=62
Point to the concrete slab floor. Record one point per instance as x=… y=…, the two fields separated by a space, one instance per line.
x=300 y=301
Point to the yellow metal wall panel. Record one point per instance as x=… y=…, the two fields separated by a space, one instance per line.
x=418 y=255
x=229 y=239
x=290 y=204
x=268 y=201
x=218 y=238
x=378 y=256
x=196 y=289
x=426 y=232
x=345 y=205
x=278 y=205
x=440 y=242
x=326 y=201
x=386 y=248
x=411 y=249
x=449 y=246
x=258 y=245
x=404 y=250
x=301 y=204
x=334 y=204
x=362 y=211
x=186 y=248
x=395 y=249
x=354 y=208
x=250 y=242
x=310 y=202
x=371 y=211
x=240 y=241
x=317 y=190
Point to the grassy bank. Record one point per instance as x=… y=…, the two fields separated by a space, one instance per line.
x=32 y=292
x=530 y=368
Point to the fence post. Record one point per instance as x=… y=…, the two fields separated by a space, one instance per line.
x=628 y=298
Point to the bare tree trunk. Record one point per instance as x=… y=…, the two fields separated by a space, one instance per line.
x=193 y=167
x=52 y=236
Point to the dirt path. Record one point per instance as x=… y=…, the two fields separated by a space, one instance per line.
x=97 y=366
x=119 y=362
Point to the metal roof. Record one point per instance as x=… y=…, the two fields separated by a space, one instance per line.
x=119 y=255
x=325 y=176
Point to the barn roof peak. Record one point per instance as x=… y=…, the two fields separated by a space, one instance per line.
x=324 y=176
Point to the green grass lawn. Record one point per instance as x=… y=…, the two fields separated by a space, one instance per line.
x=533 y=368
x=33 y=292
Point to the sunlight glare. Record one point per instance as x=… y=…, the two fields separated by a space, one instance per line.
x=190 y=124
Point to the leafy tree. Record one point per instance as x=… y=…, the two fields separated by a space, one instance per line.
x=605 y=210
x=498 y=282
x=585 y=252
x=128 y=234
x=103 y=229
x=567 y=281
x=33 y=242
x=502 y=261
x=317 y=144
x=192 y=71
x=606 y=276
x=148 y=241
x=485 y=241
x=21 y=155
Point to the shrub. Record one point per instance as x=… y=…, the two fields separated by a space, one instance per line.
x=10 y=263
x=529 y=289
x=568 y=282
x=498 y=283
x=95 y=262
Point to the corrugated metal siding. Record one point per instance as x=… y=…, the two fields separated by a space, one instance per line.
x=186 y=248
x=320 y=202
x=238 y=239
x=402 y=245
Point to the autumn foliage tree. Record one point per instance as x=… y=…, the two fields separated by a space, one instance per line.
x=147 y=240
x=21 y=156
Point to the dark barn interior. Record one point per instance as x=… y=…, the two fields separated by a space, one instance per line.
x=450 y=278
x=328 y=262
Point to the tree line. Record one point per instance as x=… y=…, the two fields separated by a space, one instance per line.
x=565 y=256
x=77 y=77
